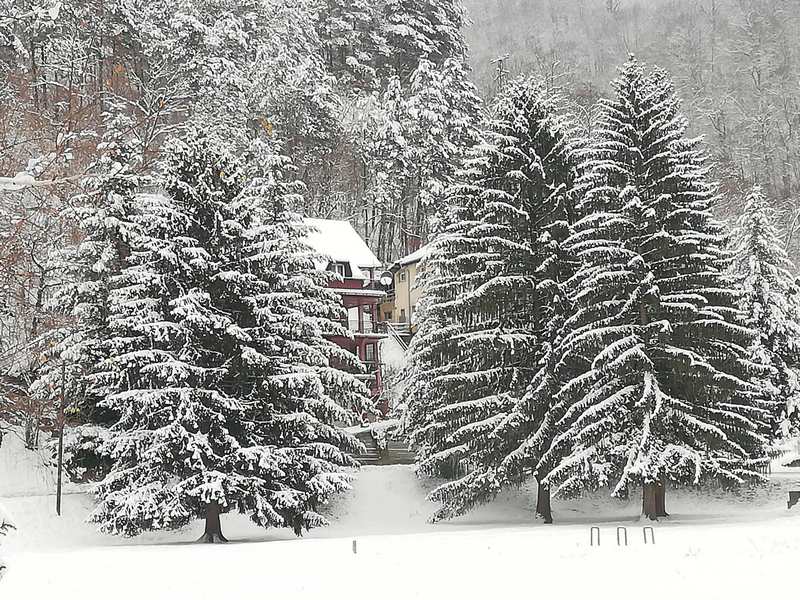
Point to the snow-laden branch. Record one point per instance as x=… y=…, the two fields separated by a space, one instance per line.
x=37 y=12
x=22 y=181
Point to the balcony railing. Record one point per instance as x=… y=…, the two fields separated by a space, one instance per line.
x=358 y=284
x=366 y=325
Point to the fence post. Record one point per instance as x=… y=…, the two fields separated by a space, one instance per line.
x=624 y=536
x=354 y=546
x=591 y=536
x=61 y=417
x=652 y=535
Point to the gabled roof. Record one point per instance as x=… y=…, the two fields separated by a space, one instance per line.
x=341 y=243
x=412 y=258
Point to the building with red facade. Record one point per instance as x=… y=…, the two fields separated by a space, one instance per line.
x=360 y=287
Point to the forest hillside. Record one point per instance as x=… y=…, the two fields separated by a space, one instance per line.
x=735 y=64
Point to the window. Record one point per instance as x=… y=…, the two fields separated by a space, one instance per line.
x=366 y=320
x=369 y=353
x=402 y=315
x=402 y=275
x=338 y=268
x=352 y=319
x=387 y=316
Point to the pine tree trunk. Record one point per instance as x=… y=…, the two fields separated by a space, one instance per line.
x=213 y=532
x=649 y=503
x=661 y=500
x=543 y=503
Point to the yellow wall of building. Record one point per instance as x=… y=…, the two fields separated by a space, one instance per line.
x=387 y=309
x=407 y=294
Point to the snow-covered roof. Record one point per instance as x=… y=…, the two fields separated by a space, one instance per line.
x=341 y=243
x=414 y=257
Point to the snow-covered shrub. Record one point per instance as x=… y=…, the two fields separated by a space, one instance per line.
x=84 y=459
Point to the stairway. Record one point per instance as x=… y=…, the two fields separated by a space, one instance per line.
x=372 y=456
x=396 y=453
x=400 y=332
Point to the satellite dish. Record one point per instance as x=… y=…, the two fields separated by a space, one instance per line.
x=386 y=278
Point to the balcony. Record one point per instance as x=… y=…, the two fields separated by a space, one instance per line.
x=359 y=285
x=366 y=326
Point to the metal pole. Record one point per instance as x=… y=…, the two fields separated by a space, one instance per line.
x=60 y=440
x=408 y=290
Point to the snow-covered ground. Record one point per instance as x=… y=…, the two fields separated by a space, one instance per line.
x=714 y=546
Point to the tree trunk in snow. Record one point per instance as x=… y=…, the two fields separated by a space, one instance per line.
x=654 y=500
x=543 y=503
x=649 y=504
x=213 y=532
x=661 y=500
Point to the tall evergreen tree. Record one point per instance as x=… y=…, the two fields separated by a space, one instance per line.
x=350 y=33
x=440 y=116
x=421 y=29
x=771 y=297
x=219 y=367
x=492 y=293
x=657 y=384
x=428 y=127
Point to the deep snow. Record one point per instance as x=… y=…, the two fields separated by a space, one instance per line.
x=715 y=545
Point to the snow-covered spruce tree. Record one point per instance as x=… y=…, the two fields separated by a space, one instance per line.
x=492 y=293
x=350 y=33
x=659 y=385
x=294 y=100
x=427 y=129
x=770 y=299
x=107 y=229
x=439 y=118
x=420 y=29
x=218 y=366
x=247 y=67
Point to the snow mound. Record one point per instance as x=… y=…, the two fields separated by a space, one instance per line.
x=25 y=472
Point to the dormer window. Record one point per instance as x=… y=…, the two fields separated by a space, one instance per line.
x=338 y=268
